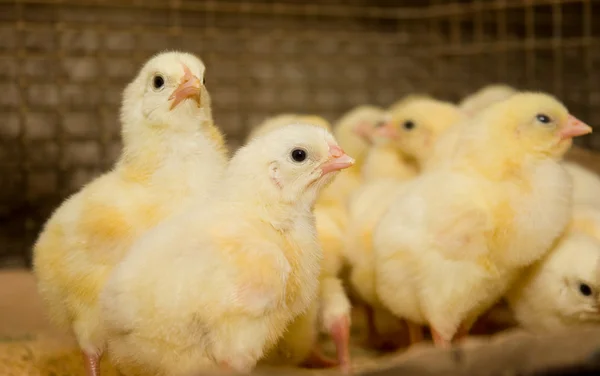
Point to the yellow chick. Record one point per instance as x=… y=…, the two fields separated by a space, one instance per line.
x=331 y=311
x=485 y=97
x=408 y=140
x=171 y=154
x=403 y=145
x=354 y=131
x=217 y=285
x=450 y=246
x=586 y=184
x=563 y=289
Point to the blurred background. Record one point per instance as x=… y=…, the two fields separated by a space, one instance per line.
x=64 y=63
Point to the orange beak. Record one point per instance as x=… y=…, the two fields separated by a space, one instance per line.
x=338 y=160
x=388 y=130
x=574 y=128
x=188 y=88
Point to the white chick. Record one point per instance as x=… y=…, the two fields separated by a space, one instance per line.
x=331 y=312
x=449 y=247
x=563 y=289
x=172 y=152
x=217 y=286
x=485 y=97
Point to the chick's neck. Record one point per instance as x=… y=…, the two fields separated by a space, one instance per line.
x=247 y=191
x=496 y=157
x=151 y=154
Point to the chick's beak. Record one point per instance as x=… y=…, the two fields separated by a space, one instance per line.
x=338 y=160
x=387 y=130
x=574 y=128
x=188 y=88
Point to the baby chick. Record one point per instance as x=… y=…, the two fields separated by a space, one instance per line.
x=171 y=153
x=254 y=242
x=418 y=125
x=401 y=147
x=450 y=245
x=354 y=131
x=485 y=97
x=562 y=290
x=331 y=311
x=385 y=160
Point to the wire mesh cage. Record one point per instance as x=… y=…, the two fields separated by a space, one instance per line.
x=63 y=64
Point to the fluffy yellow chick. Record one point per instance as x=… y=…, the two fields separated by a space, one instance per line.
x=354 y=131
x=385 y=161
x=449 y=247
x=217 y=285
x=332 y=310
x=586 y=184
x=171 y=153
x=562 y=290
x=485 y=97
x=406 y=141
x=413 y=130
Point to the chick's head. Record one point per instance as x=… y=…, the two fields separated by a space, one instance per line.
x=416 y=126
x=282 y=120
x=354 y=130
x=574 y=268
x=533 y=123
x=299 y=160
x=168 y=92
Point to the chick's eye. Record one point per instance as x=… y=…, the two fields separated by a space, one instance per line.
x=408 y=125
x=158 y=82
x=544 y=119
x=298 y=155
x=585 y=289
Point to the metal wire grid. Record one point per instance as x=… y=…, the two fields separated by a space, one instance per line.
x=64 y=63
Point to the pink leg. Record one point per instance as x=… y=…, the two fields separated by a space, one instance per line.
x=438 y=340
x=415 y=332
x=91 y=364
x=340 y=332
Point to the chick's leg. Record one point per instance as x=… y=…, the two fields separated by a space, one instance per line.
x=439 y=340
x=340 y=332
x=91 y=363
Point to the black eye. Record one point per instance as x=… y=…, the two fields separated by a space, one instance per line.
x=203 y=80
x=298 y=155
x=585 y=290
x=544 y=119
x=408 y=125
x=158 y=82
